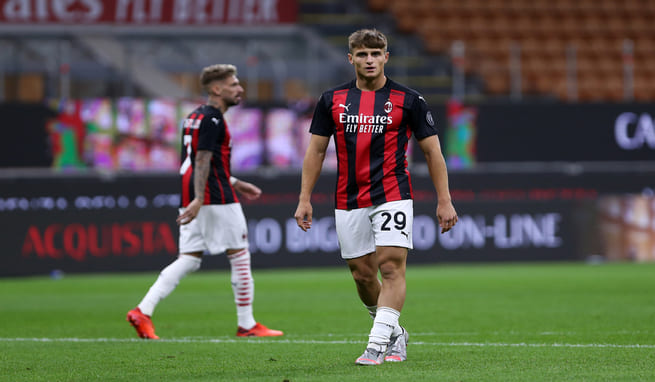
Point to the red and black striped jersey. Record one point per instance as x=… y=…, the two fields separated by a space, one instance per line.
x=205 y=129
x=371 y=131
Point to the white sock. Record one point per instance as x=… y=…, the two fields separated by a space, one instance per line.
x=386 y=319
x=397 y=330
x=371 y=310
x=167 y=281
x=243 y=287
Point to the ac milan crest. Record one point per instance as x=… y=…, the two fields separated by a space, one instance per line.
x=388 y=106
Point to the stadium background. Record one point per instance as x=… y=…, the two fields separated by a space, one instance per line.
x=546 y=109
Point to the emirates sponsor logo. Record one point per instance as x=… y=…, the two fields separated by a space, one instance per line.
x=366 y=124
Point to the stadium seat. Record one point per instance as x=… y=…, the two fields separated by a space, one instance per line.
x=546 y=31
x=379 y=5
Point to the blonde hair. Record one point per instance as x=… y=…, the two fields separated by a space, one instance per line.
x=216 y=72
x=367 y=38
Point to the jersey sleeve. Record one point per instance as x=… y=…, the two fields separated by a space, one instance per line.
x=422 y=120
x=211 y=128
x=322 y=123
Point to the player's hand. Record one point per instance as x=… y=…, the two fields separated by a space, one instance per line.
x=447 y=216
x=249 y=190
x=303 y=215
x=189 y=213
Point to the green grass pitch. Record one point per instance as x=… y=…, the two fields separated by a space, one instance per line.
x=478 y=322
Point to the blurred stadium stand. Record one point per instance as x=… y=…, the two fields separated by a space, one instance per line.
x=283 y=62
x=587 y=50
x=427 y=72
x=278 y=61
x=159 y=62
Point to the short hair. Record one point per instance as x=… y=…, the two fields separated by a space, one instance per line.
x=216 y=72
x=367 y=38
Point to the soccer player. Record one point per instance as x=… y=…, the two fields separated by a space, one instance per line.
x=372 y=119
x=211 y=219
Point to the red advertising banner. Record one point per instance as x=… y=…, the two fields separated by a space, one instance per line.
x=208 y=13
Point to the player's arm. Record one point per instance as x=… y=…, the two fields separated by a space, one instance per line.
x=311 y=169
x=200 y=175
x=439 y=174
x=246 y=189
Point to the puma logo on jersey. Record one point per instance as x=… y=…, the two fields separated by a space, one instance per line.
x=215 y=120
x=407 y=236
x=345 y=107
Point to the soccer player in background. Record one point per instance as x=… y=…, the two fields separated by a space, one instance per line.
x=211 y=219
x=372 y=119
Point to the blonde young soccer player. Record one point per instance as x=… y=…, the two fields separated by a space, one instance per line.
x=372 y=119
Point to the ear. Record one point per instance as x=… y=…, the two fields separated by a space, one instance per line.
x=350 y=58
x=215 y=89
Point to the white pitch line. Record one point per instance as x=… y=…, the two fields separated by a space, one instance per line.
x=513 y=333
x=545 y=333
x=340 y=342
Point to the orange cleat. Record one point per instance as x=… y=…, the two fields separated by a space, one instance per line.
x=258 y=330
x=142 y=324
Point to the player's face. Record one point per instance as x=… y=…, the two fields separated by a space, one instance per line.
x=231 y=91
x=368 y=62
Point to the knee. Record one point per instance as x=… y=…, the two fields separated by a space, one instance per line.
x=364 y=276
x=392 y=270
x=182 y=266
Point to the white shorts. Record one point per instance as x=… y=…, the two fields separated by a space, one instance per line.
x=362 y=229
x=216 y=228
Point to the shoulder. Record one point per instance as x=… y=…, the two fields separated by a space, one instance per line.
x=329 y=94
x=345 y=86
x=210 y=111
x=211 y=114
x=410 y=93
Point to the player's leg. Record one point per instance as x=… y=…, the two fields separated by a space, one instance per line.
x=391 y=261
x=392 y=265
x=392 y=224
x=243 y=287
x=364 y=270
x=230 y=235
x=386 y=328
x=357 y=244
x=169 y=278
x=191 y=249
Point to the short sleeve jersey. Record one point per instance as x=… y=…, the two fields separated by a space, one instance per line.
x=371 y=131
x=205 y=129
